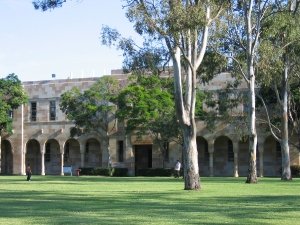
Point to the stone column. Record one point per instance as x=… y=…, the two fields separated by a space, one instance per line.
x=82 y=154
x=22 y=141
x=236 y=159
x=23 y=159
x=129 y=156
x=43 y=163
x=211 y=157
x=260 y=145
x=62 y=164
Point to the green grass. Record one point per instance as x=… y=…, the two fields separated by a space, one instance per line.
x=140 y=200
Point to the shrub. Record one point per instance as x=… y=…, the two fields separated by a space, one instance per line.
x=119 y=172
x=98 y=171
x=86 y=171
x=295 y=170
x=101 y=171
x=161 y=172
x=94 y=171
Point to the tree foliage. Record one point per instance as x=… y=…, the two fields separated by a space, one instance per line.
x=45 y=5
x=184 y=27
x=278 y=68
x=93 y=109
x=12 y=95
x=147 y=107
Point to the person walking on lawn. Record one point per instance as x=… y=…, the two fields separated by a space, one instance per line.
x=177 y=169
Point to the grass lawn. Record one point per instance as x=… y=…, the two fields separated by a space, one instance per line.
x=141 y=200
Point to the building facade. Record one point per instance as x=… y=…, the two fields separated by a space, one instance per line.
x=42 y=136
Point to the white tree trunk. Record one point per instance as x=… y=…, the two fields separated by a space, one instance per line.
x=251 y=48
x=252 y=173
x=187 y=122
x=285 y=151
x=190 y=159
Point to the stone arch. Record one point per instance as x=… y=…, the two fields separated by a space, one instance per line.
x=272 y=157
x=203 y=156
x=223 y=156
x=72 y=156
x=92 y=153
x=6 y=157
x=33 y=156
x=243 y=157
x=52 y=157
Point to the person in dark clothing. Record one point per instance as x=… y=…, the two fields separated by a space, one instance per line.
x=28 y=172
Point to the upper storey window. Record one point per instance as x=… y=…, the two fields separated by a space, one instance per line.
x=52 y=110
x=33 y=111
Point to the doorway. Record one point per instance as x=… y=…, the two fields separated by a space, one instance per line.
x=143 y=157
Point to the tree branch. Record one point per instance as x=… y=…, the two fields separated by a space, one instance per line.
x=269 y=121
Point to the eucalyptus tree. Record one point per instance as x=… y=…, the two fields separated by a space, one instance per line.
x=12 y=95
x=279 y=57
x=184 y=27
x=294 y=108
x=93 y=109
x=245 y=22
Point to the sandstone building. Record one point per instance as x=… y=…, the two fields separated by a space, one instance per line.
x=42 y=137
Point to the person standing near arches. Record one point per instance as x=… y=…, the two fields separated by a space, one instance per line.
x=177 y=169
x=28 y=172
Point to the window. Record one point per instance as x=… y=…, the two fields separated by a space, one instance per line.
x=48 y=152
x=52 y=110
x=166 y=151
x=230 y=151
x=10 y=114
x=120 y=151
x=33 y=111
x=67 y=152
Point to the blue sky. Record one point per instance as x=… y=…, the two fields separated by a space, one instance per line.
x=65 y=41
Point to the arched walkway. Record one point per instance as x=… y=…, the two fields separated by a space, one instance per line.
x=33 y=156
x=203 y=156
x=6 y=158
x=92 y=153
x=272 y=157
x=243 y=157
x=72 y=155
x=223 y=157
x=52 y=158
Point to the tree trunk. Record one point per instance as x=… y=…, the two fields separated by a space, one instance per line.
x=252 y=174
x=188 y=125
x=251 y=50
x=285 y=151
x=190 y=157
x=105 y=141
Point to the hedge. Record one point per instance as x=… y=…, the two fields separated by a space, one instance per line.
x=159 y=172
x=116 y=172
x=295 y=170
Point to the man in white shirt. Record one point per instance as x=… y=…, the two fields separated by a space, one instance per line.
x=177 y=169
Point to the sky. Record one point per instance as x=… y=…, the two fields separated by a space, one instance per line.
x=64 y=41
